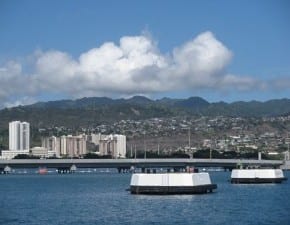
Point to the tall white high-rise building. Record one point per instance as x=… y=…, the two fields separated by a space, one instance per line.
x=19 y=135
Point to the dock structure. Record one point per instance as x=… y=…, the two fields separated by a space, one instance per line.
x=227 y=164
x=171 y=183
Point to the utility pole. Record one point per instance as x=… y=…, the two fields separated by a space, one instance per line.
x=189 y=137
x=131 y=151
x=158 y=148
x=287 y=154
x=144 y=147
x=189 y=144
x=210 y=150
x=135 y=152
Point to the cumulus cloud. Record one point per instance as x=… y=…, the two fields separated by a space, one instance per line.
x=133 y=66
x=10 y=79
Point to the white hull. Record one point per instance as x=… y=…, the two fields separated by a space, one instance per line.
x=257 y=176
x=171 y=183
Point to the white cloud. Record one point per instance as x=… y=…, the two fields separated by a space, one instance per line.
x=21 y=101
x=240 y=83
x=133 y=66
x=11 y=79
x=280 y=84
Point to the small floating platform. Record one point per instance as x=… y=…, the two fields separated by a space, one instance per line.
x=171 y=183
x=254 y=176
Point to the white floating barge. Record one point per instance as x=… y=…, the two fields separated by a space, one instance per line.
x=248 y=176
x=171 y=183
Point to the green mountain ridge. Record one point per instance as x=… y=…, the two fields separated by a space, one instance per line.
x=96 y=110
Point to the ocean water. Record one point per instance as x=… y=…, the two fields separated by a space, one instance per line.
x=101 y=198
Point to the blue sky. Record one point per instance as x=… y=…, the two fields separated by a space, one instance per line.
x=219 y=50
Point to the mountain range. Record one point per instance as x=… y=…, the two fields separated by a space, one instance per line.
x=94 y=110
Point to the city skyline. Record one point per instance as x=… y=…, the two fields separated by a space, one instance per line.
x=113 y=145
x=235 y=51
x=144 y=112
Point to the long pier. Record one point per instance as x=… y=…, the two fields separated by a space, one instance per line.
x=137 y=163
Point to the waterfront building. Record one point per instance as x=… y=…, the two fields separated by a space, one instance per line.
x=10 y=154
x=70 y=146
x=42 y=152
x=74 y=146
x=95 y=138
x=62 y=149
x=114 y=145
x=52 y=144
x=19 y=136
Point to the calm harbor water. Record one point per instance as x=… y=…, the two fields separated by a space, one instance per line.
x=100 y=198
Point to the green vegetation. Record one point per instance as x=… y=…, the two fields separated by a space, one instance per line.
x=95 y=156
x=4 y=139
x=92 y=111
x=24 y=156
x=84 y=115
